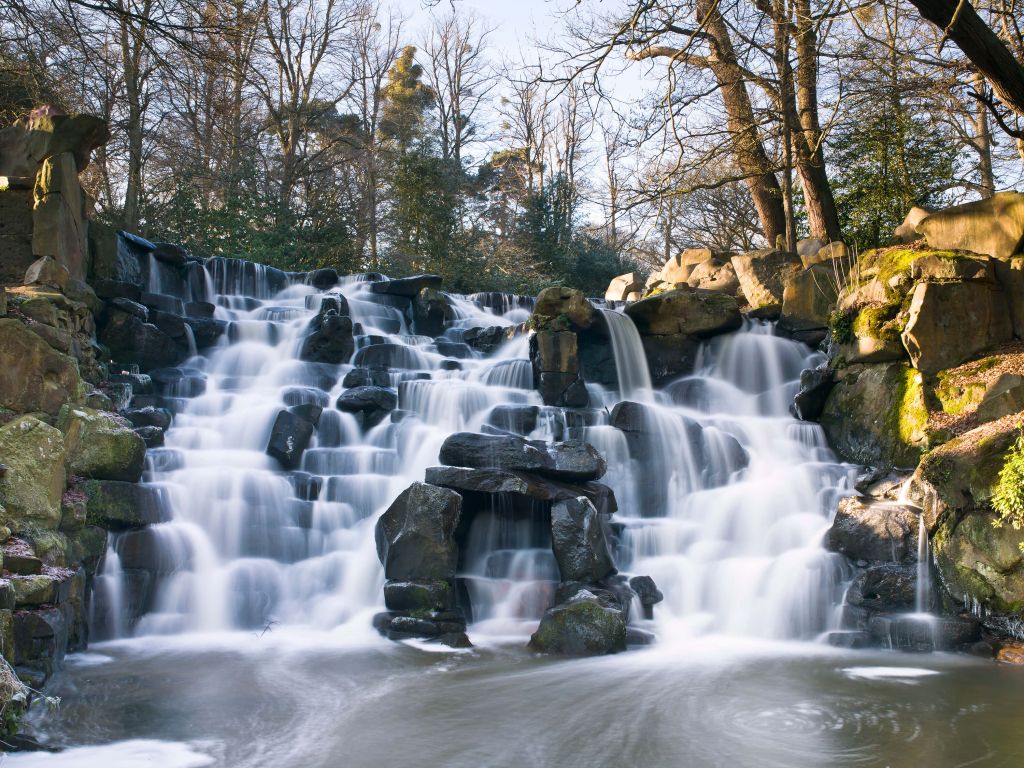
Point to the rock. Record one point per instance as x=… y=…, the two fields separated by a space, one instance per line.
x=561 y=302
x=33 y=481
x=322 y=279
x=133 y=308
x=647 y=592
x=406 y=286
x=620 y=287
x=815 y=386
x=19 y=560
x=763 y=275
x=1011 y=653
x=305 y=395
x=809 y=298
x=34 y=377
x=371 y=404
x=365 y=377
x=907 y=231
x=431 y=312
x=827 y=252
x=809 y=246
x=876 y=532
x=33 y=590
x=101 y=445
x=149 y=416
x=171 y=254
x=875 y=332
x=416 y=535
x=715 y=275
x=936 y=266
x=885 y=588
x=992 y=226
x=517 y=419
x=952 y=322
x=488 y=340
x=876 y=415
x=330 y=340
x=583 y=626
x=130 y=338
x=289 y=438
x=559 y=461
x=419 y=596
x=556 y=368
x=153 y=437
x=121 y=506
x=579 y=539
x=309 y=412
x=687 y=311
x=48 y=272
x=528 y=486
x=389 y=355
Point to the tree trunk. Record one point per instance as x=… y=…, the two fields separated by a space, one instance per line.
x=983 y=145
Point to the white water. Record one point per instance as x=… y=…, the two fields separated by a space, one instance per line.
x=723 y=500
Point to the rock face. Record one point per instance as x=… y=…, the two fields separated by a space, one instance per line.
x=34 y=376
x=907 y=231
x=808 y=299
x=289 y=438
x=579 y=541
x=431 y=311
x=876 y=414
x=815 y=386
x=100 y=445
x=686 y=311
x=330 y=339
x=559 y=461
x=978 y=561
x=123 y=506
x=874 y=532
x=994 y=226
x=620 y=288
x=556 y=369
x=131 y=337
x=32 y=485
x=763 y=276
x=370 y=404
x=582 y=626
x=569 y=303
x=952 y=322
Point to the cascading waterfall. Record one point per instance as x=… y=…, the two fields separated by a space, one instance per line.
x=723 y=497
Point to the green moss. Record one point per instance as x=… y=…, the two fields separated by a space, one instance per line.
x=878 y=323
x=958 y=398
x=840 y=325
x=911 y=412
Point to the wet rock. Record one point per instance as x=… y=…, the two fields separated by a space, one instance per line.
x=419 y=596
x=530 y=487
x=366 y=377
x=669 y=357
x=887 y=588
x=128 y=337
x=330 y=340
x=415 y=536
x=952 y=322
x=456 y=349
x=923 y=634
x=160 y=302
x=371 y=404
x=763 y=275
x=200 y=309
x=206 y=331
x=406 y=286
x=876 y=532
x=579 y=539
x=171 y=254
x=559 y=461
x=305 y=395
x=815 y=386
x=32 y=482
x=149 y=417
x=153 y=437
x=309 y=412
x=388 y=355
x=685 y=310
x=322 y=279
x=31 y=591
x=517 y=419
x=123 y=506
x=431 y=312
x=488 y=340
x=289 y=438
x=100 y=445
x=116 y=289
x=648 y=593
x=556 y=366
x=583 y=626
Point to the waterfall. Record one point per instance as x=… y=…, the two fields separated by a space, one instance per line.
x=723 y=496
x=922 y=596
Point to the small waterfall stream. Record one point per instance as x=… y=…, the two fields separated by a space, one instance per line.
x=723 y=496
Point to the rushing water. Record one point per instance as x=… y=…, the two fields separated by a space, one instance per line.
x=255 y=647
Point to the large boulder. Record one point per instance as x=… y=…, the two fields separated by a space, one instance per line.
x=907 y=231
x=874 y=531
x=121 y=506
x=33 y=482
x=330 y=339
x=888 y=587
x=559 y=461
x=406 y=286
x=26 y=144
x=131 y=338
x=290 y=436
x=993 y=226
x=432 y=311
x=622 y=286
x=524 y=486
x=876 y=414
x=687 y=311
x=562 y=306
x=34 y=377
x=581 y=626
x=715 y=275
x=579 y=539
x=763 y=276
x=952 y=322
x=415 y=536
x=101 y=445
x=369 y=404
x=556 y=368
x=982 y=563
x=59 y=215
x=809 y=298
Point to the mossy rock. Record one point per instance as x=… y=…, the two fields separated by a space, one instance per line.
x=562 y=306
x=34 y=376
x=101 y=445
x=978 y=561
x=876 y=414
x=32 y=486
x=582 y=626
x=31 y=591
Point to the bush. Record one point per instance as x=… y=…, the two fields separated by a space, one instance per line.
x=1008 y=500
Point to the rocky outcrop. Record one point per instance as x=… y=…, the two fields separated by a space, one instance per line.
x=330 y=335
x=624 y=287
x=874 y=531
x=809 y=298
x=993 y=226
x=370 y=404
x=685 y=311
x=763 y=276
x=556 y=368
x=563 y=308
x=34 y=376
x=579 y=539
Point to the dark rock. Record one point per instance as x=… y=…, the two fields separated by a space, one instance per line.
x=365 y=377
x=289 y=438
x=406 y=286
x=389 y=356
x=322 y=279
x=149 y=417
x=579 y=541
x=153 y=437
x=559 y=461
x=22 y=564
x=306 y=395
x=815 y=386
x=581 y=627
x=923 y=634
x=517 y=419
x=179 y=382
x=130 y=338
x=487 y=340
x=116 y=289
x=456 y=349
x=878 y=532
x=206 y=331
x=133 y=308
x=419 y=596
x=309 y=412
x=511 y=484
x=371 y=404
x=885 y=588
x=171 y=254
x=431 y=312
x=330 y=341
x=416 y=535
x=172 y=305
x=120 y=506
x=200 y=309
x=646 y=590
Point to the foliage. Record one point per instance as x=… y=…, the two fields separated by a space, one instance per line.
x=840 y=323
x=1008 y=499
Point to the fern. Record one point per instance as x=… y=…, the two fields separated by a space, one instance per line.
x=1008 y=500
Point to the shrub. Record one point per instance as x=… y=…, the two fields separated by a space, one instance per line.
x=1008 y=500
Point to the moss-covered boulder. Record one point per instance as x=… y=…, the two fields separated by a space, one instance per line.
x=34 y=377
x=561 y=307
x=101 y=445
x=949 y=323
x=31 y=487
x=979 y=562
x=685 y=310
x=876 y=414
x=581 y=626
x=870 y=334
